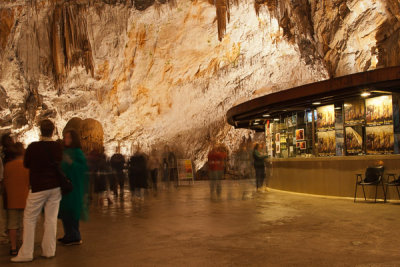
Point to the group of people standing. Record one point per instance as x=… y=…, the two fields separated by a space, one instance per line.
x=217 y=158
x=142 y=170
x=32 y=185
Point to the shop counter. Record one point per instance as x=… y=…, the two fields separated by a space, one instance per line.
x=331 y=176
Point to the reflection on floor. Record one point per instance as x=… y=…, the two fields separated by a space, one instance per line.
x=185 y=227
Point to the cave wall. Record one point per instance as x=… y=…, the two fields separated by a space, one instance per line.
x=156 y=71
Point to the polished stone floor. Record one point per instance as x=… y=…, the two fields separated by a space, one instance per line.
x=185 y=227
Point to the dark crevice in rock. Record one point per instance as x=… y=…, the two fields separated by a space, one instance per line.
x=388 y=37
x=295 y=20
x=143 y=4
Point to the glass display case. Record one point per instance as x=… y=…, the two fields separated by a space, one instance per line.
x=351 y=127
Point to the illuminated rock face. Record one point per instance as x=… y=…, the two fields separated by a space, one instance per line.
x=155 y=71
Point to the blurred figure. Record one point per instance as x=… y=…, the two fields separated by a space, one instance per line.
x=3 y=226
x=165 y=172
x=93 y=164
x=216 y=166
x=259 y=165
x=138 y=175
x=100 y=171
x=154 y=164
x=244 y=162
x=7 y=143
x=171 y=163
x=105 y=179
x=16 y=184
x=43 y=160
x=117 y=164
x=74 y=206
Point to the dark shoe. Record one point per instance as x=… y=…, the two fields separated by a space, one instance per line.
x=72 y=243
x=61 y=240
x=13 y=252
x=47 y=257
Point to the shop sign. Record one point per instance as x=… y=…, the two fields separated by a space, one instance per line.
x=185 y=169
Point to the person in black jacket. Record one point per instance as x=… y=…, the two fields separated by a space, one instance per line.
x=43 y=160
x=138 y=175
x=259 y=165
x=117 y=164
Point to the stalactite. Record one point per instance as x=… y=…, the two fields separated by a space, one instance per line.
x=70 y=43
x=58 y=46
x=272 y=6
x=222 y=14
x=6 y=24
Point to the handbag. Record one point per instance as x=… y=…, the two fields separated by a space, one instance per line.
x=65 y=183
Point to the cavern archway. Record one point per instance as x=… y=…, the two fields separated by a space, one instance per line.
x=90 y=131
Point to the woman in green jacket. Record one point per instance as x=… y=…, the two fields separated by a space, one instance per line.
x=74 y=206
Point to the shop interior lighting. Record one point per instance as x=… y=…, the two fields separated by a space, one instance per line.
x=365 y=94
x=266 y=115
x=316 y=103
x=276 y=119
x=337 y=108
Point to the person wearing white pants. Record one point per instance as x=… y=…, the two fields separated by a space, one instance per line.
x=50 y=201
x=42 y=159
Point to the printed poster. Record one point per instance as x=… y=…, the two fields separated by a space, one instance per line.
x=380 y=139
x=327 y=143
x=185 y=170
x=303 y=145
x=278 y=147
x=379 y=110
x=300 y=134
x=277 y=137
x=326 y=118
x=354 y=140
x=354 y=112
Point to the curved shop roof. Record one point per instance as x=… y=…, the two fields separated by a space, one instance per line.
x=376 y=82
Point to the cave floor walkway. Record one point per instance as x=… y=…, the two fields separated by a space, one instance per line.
x=184 y=227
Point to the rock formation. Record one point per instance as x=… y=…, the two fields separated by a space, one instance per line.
x=158 y=71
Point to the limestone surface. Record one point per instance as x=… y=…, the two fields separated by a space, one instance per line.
x=155 y=72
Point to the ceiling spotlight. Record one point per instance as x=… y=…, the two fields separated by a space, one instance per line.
x=256 y=123
x=316 y=103
x=337 y=108
x=266 y=115
x=365 y=94
x=276 y=119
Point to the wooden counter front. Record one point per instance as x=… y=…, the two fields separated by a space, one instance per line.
x=332 y=176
